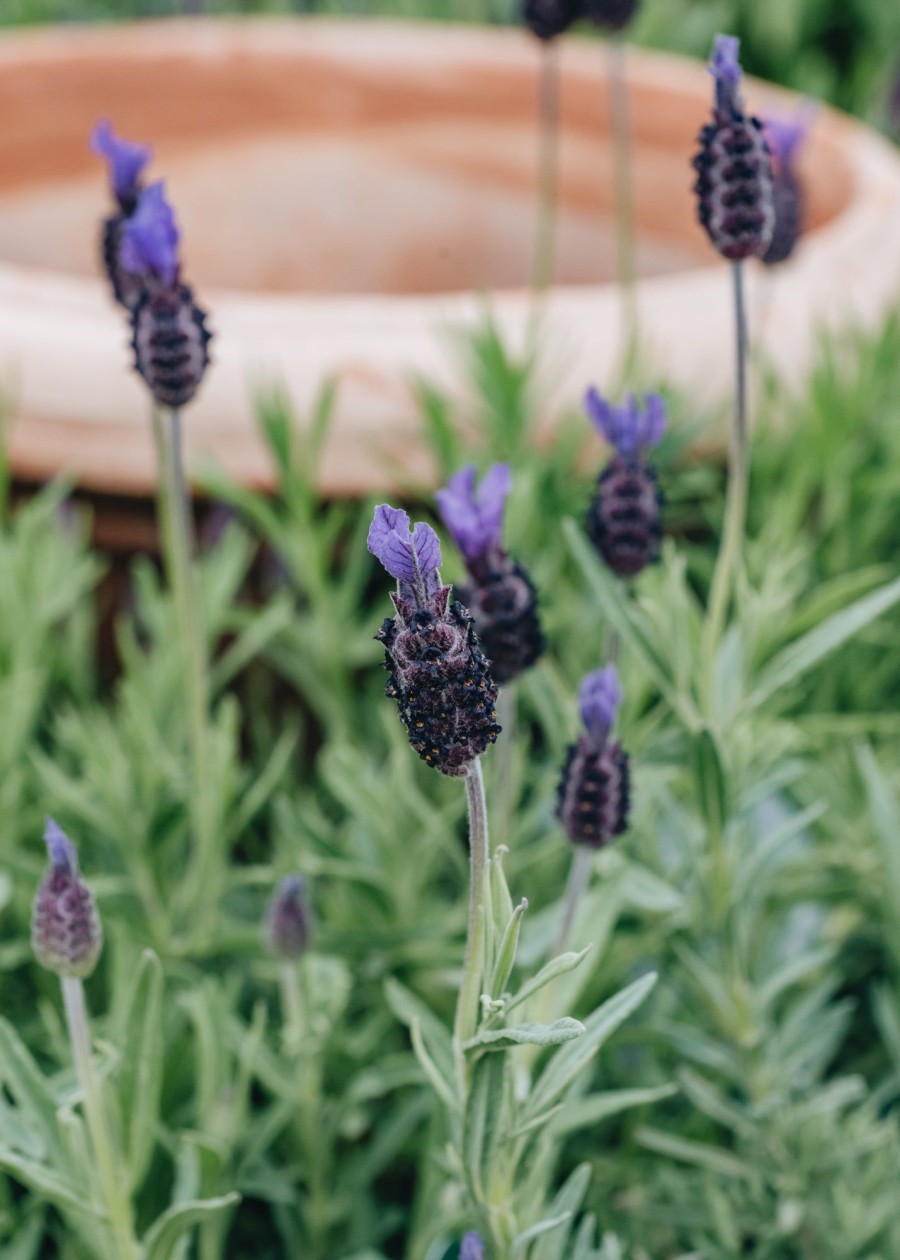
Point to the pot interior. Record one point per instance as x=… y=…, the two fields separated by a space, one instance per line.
x=346 y=162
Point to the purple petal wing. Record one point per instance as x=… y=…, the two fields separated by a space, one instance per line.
x=492 y=493
x=653 y=421
x=472 y=1247
x=126 y=160
x=60 y=848
x=599 y=699
x=406 y=556
x=725 y=67
x=150 y=238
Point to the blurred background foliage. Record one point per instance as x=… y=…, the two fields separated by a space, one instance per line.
x=846 y=52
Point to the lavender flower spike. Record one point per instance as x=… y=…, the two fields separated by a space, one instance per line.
x=439 y=675
x=594 y=793
x=126 y=161
x=65 y=928
x=624 y=519
x=734 y=169
x=630 y=428
x=288 y=925
x=472 y=1247
x=500 y=595
x=150 y=238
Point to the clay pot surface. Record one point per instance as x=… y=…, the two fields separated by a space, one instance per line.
x=349 y=192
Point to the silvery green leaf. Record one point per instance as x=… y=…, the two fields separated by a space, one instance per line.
x=483 y=1117
x=140 y=1079
x=526 y=1035
x=29 y=1088
x=167 y=1230
x=506 y=953
x=581 y=1113
x=566 y=1064
x=521 y=1241
x=442 y=1085
x=558 y=966
x=701 y=1154
x=408 y=1008
x=48 y=1184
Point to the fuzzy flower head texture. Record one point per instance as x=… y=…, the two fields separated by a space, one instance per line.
x=733 y=165
x=65 y=928
x=126 y=161
x=438 y=674
x=631 y=429
x=150 y=239
x=594 y=794
x=473 y=514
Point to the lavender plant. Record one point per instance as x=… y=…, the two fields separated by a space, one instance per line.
x=785 y=138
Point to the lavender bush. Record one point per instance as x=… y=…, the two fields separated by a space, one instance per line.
x=664 y=1020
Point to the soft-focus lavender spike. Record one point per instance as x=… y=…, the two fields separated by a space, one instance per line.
x=472 y=1247
x=149 y=247
x=125 y=159
x=288 y=925
x=786 y=135
x=66 y=934
x=594 y=794
x=599 y=698
x=610 y=15
x=549 y=18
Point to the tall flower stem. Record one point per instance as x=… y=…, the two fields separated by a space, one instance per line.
x=466 y=1022
x=178 y=533
x=626 y=258
x=579 y=875
x=118 y=1208
x=731 y=547
x=548 y=169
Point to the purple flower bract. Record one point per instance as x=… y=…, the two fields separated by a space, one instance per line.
x=149 y=247
x=125 y=159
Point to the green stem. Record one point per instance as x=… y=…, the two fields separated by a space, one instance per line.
x=728 y=560
x=626 y=255
x=109 y=1164
x=178 y=533
x=579 y=875
x=548 y=169
x=466 y=1022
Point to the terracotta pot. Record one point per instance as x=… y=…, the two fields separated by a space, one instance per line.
x=345 y=188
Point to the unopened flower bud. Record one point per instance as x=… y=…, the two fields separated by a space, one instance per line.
x=65 y=927
x=594 y=792
x=624 y=519
x=734 y=168
x=439 y=675
x=288 y=926
x=500 y=595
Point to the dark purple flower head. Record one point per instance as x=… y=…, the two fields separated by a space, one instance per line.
x=412 y=557
x=734 y=166
x=126 y=161
x=725 y=68
x=439 y=675
x=289 y=919
x=149 y=246
x=548 y=18
x=594 y=794
x=474 y=515
x=610 y=15
x=472 y=1247
x=65 y=928
x=630 y=428
x=599 y=698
